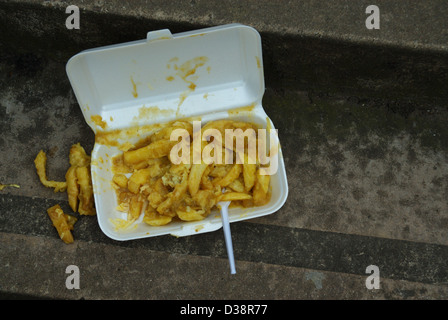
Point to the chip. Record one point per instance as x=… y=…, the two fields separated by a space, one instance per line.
x=78 y=185
x=41 y=167
x=147 y=182
x=62 y=222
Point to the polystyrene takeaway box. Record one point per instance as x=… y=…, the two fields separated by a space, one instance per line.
x=207 y=74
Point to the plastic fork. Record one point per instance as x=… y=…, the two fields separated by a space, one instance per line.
x=224 y=205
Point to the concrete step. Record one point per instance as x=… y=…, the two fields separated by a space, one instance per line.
x=307 y=45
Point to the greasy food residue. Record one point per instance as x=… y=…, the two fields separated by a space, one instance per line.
x=3 y=186
x=134 y=88
x=119 y=137
x=189 y=67
x=258 y=62
x=151 y=112
x=184 y=72
x=237 y=111
x=114 y=137
x=98 y=120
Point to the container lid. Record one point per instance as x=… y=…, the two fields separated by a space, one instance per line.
x=168 y=76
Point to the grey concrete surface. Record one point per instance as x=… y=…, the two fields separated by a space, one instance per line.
x=147 y=274
x=307 y=45
x=365 y=150
x=407 y=23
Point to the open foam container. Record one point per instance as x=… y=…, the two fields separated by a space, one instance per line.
x=126 y=90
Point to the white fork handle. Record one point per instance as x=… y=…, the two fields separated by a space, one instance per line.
x=228 y=237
